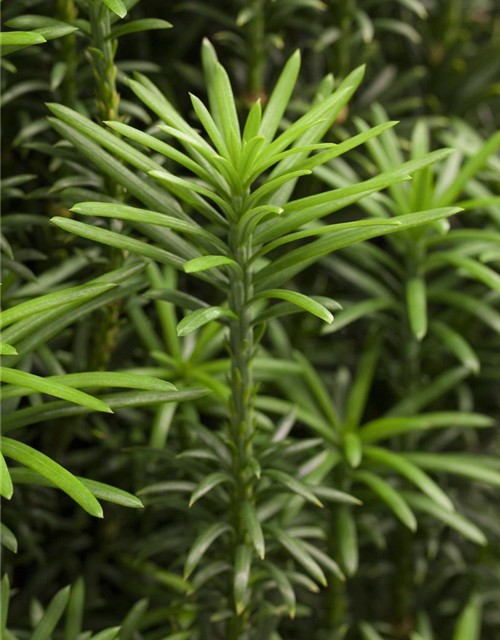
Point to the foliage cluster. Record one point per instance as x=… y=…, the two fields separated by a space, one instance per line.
x=250 y=320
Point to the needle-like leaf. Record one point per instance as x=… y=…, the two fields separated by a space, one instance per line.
x=29 y=457
x=201 y=544
x=298 y=299
x=201 y=317
x=6 y=488
x=254 y=528
x=52 y=301
x=207 y=484
x=242 y=567
x=296 y=549
x=403 y=464
x=52 y=388
x=390 y=496
x=294 y=485
x=452 y=519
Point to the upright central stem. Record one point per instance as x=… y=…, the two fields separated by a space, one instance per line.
x=102 y=58
x=242 y=400
x=256 y=33
x=404 y=552
x=241 y=342
x=67 y=12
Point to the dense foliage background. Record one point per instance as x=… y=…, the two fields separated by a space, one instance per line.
x=386 y=417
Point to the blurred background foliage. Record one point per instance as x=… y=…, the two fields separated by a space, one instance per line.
x=434 y=65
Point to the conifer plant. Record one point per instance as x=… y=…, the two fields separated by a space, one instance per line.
x=233 y=224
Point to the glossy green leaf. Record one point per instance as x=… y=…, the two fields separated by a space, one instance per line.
x=324 y=560
x=85 y=138
x=347 y=145
x=297 y=260
x=179 y=298
x=279 y=98
x=126 y=399
x=122 y=212
x=75 y=610
x=201 y=317
x=404 y=465
x=44 y=385
x=116 y=6
x=208 y=572
x=469 y=623
x=51 y=301
x=253 y=121
x=4 y=602
x=118 y=241
x=470 y=304
x=225 y=104
x=210 y=126
x=357 y=311
x=167 y=487
x=472 y=467
x=477 y=270
x=347 y=538
x=457 y=344
x=390 y=496
x=7 y=349
x=206 y=485
x=321 y=230
x=173 y=182
x=8 y=539
x=39 y=462
x=470 y=168
x=353 y=449
x=334 y=495
x=306 y=210
x=321 y=393
x=37 y=331
x=416 y=302
x=146 y=24
x=298 y=299
x=254 y=529
x=107 y=634
x=285 y=588
x=294 y=485
x=133 y=619
x=201 y=544
x=98 y=379
x=320 y=205
x=360 y=389
x=154 y=143
x=328 y=108
x=52 y=615
x=383 y=428
x=452 y=519
x=242 y=568
x=30 y=21
x=98 y=489
x=23 y=38
x=56 y=31
x=296 y=549
x=208 y=262
x=6 y=488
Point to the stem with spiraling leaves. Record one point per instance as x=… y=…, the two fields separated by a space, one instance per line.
x=102 y=57
x=101 y=54
x=67 y=12
x=256 y=34
x=241 y=347
x=403 y=549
